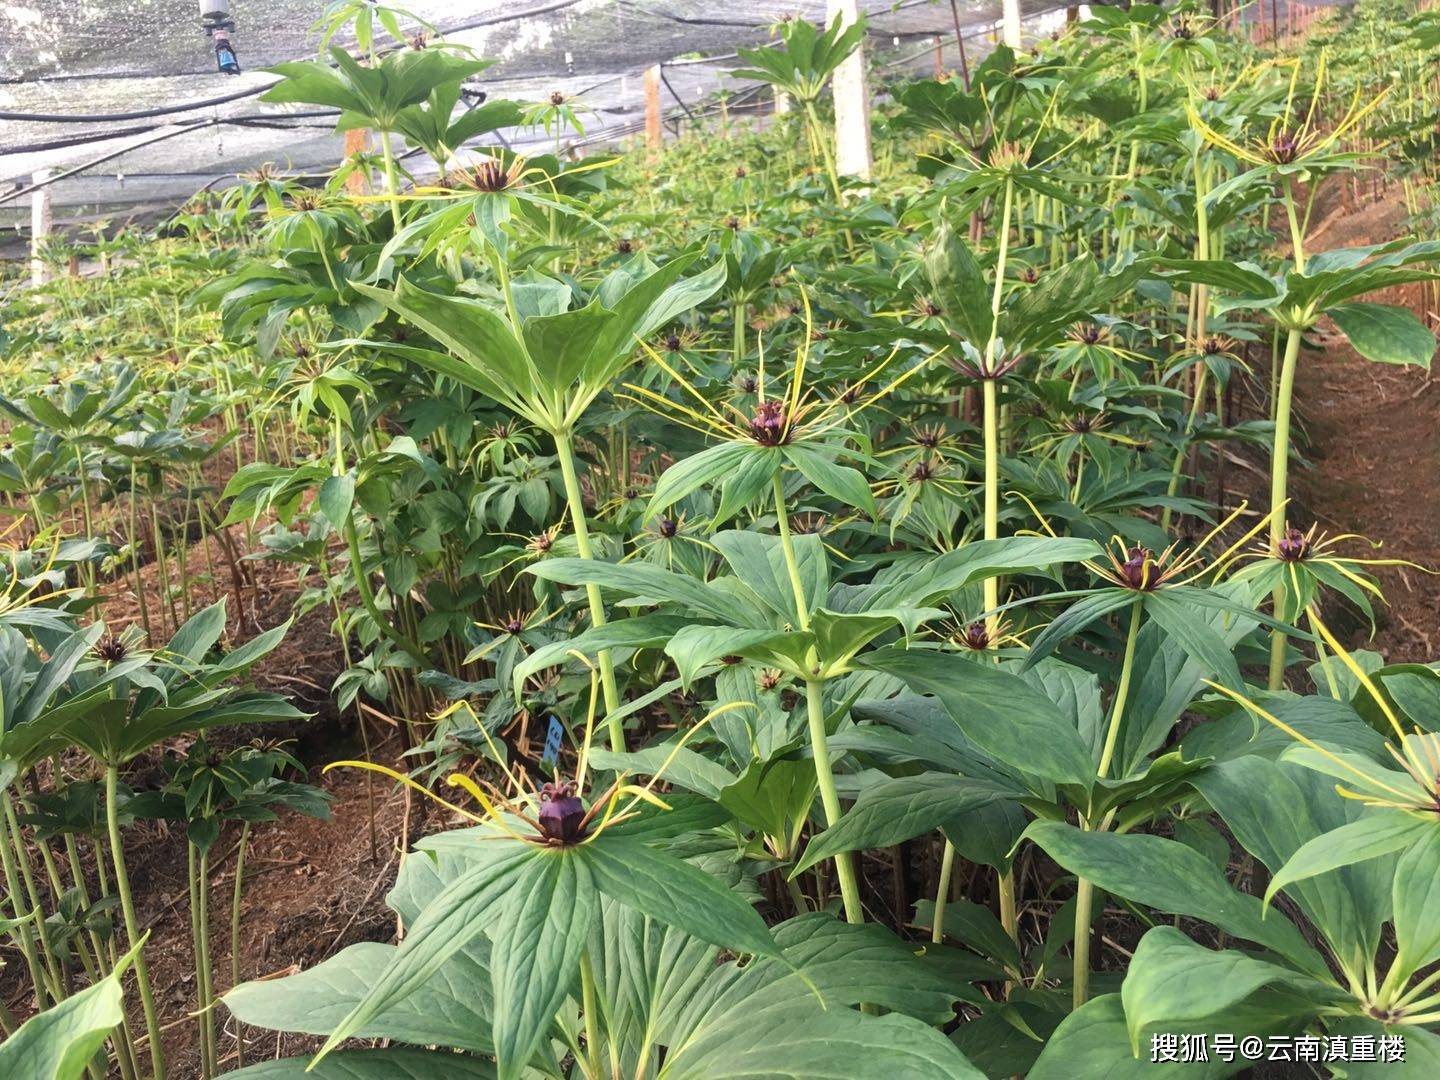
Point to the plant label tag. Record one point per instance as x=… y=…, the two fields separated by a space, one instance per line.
x=553 y=739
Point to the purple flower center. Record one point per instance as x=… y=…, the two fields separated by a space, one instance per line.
x=562 y=814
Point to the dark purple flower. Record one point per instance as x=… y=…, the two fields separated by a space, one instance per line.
x=975 y=636
x=1293 y=546
x=562 y=814
x=1139 y=570
x=768 y=425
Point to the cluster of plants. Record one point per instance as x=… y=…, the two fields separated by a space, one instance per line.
x=819 y=603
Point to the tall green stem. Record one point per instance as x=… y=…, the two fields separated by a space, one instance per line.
x=38 y=980
x=132 y=924
x=1085 y=889
x=827 y=152
x=235 y=936
x=1122 y=689
x=942 y=893
x=815 y=712
x=829 y=798
x=1279 y=472
x=575 y=498
x=392 y=179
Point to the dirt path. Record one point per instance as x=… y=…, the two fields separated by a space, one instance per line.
x=1373 y=435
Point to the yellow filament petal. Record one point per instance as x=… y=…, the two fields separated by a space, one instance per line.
x=1357 y=671
x=408 y=782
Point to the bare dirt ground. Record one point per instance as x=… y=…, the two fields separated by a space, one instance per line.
x=1373 y=441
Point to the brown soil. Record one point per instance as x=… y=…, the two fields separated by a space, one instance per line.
x=1373 y=440
x=312 y=887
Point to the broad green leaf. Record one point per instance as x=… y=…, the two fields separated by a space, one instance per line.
x=337 y=499
x=1385 y=333
x=696 y=646
x=466 y=907
x=1379 y=833
x=1274 y=809
x=1172 y=982
x=694 y=472
x=59 y=1043
x=1096 y=1034
x=999 y=712
x=1417 y=903
x=1170 y=877
x=445 y=1010
x=643 y=632
x=683 y=766
x=895 y=810
x=677 y=894
x=1188 y=627
x=535 y=951
x=840 y=482
x=838 y=1045
x=392 y=1063
x=946 y=574
x=648 y=584
x=759 y=561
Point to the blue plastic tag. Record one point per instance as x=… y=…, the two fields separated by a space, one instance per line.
x=553 y=740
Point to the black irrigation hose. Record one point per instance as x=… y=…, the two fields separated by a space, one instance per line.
x=190 y=106
x=257 y=119
x=194 y=126
x=138 y=114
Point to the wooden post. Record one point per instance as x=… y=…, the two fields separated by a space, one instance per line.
x=960 y=44
x=852 y=101
x=42 y=217
x=357 y=141
x=654 y=136
x=1072 y=15
x=1010 y=22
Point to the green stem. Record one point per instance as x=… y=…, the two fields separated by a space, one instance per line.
x=192 y=880
x=38 y=981
x=576 y=500
x=942 y=893
x=392 y=180
x=1085 y=889
x=991 y=423
x=47 y=954
x=738 y=335
x=1084 y=900
x=787 y=545
x=1122 y=689
x=826 y=150
x=1279 y=469
x=829 y=798
x=815 y=713
x=207 y=987
x=591 y=1015
x=1183 y=448
x=132 y=924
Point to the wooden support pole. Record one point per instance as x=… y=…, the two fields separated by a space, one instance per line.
x=42 y=218
x=357 y=141
x=1010 y=22
x=852 y=100
x=960 y=44
x=654 y=135
x=939 y=56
